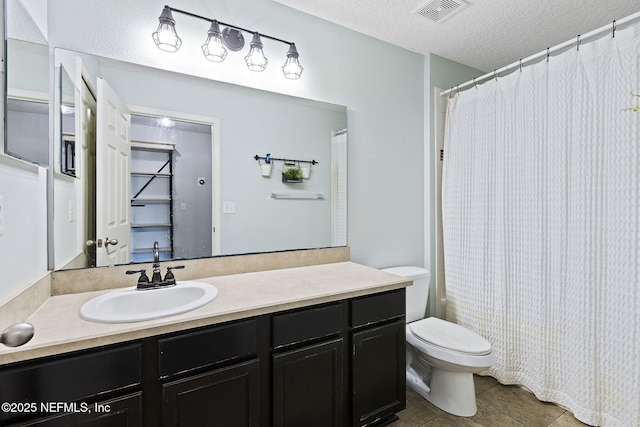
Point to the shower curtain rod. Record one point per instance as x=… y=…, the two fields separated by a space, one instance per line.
x=528 y=60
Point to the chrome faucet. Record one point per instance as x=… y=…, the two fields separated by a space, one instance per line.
x=156 y=279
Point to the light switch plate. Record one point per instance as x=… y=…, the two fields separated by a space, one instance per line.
x=229 y=207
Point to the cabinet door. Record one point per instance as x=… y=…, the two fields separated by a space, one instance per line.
x=378 y=372
x=308 y=386
x=225 y=397
x=124 y=411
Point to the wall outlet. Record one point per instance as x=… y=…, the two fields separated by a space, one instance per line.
x=229 y=207
x=1 y=216
x=183 y=206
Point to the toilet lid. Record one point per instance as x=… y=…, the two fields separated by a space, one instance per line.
x=449 y=335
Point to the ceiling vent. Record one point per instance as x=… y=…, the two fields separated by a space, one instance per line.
x=439 y=10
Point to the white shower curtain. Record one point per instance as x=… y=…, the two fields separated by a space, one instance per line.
x=339 y=188
x=541 y=208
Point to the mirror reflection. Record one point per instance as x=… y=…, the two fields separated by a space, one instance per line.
x=27 y=107
x=159 y=156
x=68 y=123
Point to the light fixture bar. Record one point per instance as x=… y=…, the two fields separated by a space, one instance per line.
x=204 y=18
x=215 y=47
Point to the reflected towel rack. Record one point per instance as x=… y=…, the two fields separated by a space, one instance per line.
x=297 y=195
x=286 y=161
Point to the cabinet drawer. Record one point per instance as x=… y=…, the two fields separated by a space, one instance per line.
x=307 y=324
x=121 y=411
x=75 y=378
x=377 y=308
x=206 y=348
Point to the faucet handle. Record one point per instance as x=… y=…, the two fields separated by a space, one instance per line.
x=143 y=279
x=169 y=278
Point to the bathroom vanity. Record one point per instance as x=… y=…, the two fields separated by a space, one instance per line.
x=328 y=350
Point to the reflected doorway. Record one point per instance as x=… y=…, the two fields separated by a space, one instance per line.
x=171 y=188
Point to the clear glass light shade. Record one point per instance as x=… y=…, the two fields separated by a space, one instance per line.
x=292 y=68
x=165 y=37
x=255 y=59
x=213 y=48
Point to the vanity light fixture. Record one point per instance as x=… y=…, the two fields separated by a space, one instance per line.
x=217 y=44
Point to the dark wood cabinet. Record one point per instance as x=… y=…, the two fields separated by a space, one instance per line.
x=378 y=373
x=308 y=367
x=227 y=397
x=329 y=365
x=378 y=358
x=49 y=388
x=307 y=386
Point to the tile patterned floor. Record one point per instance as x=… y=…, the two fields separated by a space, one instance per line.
x=498 y=406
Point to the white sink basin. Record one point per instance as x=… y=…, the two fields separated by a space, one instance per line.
x=131 y=305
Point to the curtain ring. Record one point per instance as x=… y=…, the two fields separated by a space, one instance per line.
x=474 y=83
x=578 y=42
x=458 y=89
x=613 y=34
x=520 y=64
x=548 y=54
x=495 y=74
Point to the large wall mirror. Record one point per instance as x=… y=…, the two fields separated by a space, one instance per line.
x=144 y=155
x=221 y=202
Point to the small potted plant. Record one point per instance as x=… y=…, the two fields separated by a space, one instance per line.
x=292 y=174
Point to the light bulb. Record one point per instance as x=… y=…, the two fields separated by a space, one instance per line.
x=255 y=59
x=292 y=68
x=165 y=37
x=213 y=48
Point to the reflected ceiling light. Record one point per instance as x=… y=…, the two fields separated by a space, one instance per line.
x=166 y=122
x=67 y=109
x=218 y=43
x=165 y=36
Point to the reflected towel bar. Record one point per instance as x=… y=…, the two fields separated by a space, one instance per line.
x=297 y=195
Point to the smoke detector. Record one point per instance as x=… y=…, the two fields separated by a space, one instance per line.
x=439 y=10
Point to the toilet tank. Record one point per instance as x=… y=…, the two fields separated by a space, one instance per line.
x=418 y=294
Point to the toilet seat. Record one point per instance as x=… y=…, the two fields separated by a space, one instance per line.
x=450 y=336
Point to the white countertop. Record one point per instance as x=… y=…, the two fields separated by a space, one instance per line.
x=59 y=328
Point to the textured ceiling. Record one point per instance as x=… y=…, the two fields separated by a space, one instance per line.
x=487 y=34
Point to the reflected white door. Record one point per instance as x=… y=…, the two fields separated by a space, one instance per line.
x=113 y=155
x=86 y=140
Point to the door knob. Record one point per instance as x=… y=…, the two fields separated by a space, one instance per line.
x=97 y=243
x=108 y=242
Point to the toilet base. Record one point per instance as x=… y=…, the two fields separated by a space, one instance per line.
x=453 y=392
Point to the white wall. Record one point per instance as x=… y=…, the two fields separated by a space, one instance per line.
x=23 y=248
x=381 y=85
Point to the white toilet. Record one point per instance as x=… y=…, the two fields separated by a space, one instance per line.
x=441 y=356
